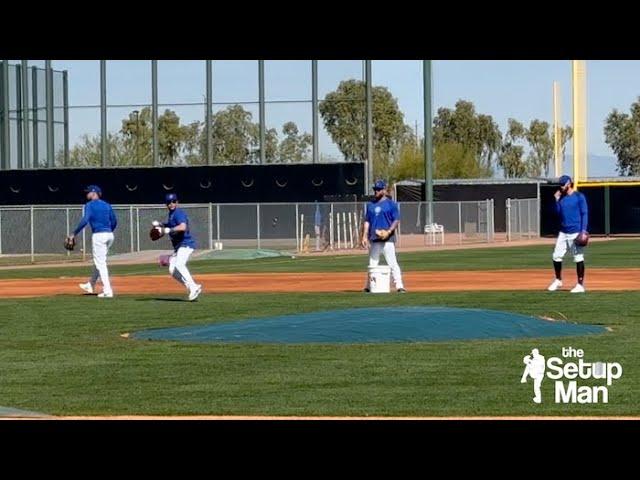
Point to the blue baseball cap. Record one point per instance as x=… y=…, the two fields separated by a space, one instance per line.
x=564 y=179
x=93 y=188
x=379 y=185
x=170 y=197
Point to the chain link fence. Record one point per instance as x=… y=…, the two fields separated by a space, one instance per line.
x=432 y=223
x=523 y=218
x=40 y=230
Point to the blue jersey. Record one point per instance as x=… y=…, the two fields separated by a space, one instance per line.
x=381 y=215
x=99 y=215
x=179 y=239
x=573 y=212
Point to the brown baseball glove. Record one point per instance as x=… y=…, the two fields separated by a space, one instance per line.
x=69 y=243
x=155 y=233
x=383 y=234
x=582 y=240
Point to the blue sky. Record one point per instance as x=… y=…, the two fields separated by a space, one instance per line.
x=520 y=89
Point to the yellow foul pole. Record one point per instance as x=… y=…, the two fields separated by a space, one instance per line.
x=579 y=76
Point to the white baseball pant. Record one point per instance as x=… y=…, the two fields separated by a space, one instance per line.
x=564 y=243
x=100 y=244
x=388 y=249
x=178 y=267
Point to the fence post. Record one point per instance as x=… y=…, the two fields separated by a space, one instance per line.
x=67 y=215
x=84 y=240
x=218 y=220
x=487 y=205
x=538 y=216
x=490 y=225
x=493 y=220
x=258 y=223
x=607 y=211
x=137 y=229
x=33 y=259
x=344 y=230
x=210 y=226
x=520 y=219
x=297 y=227
x=460 y=221
x=529 y=232
x=331 y=226
x=398 y=229
x=508 y=219
x=131 y=227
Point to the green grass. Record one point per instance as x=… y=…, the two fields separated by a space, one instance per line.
x=618 y=253
x=63 y=355
x=13 y=260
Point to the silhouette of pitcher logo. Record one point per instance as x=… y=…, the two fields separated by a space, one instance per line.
x=535 y=366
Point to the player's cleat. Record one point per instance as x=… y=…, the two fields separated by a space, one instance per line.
x=105 y=295
x=579 y=288
x=366 y=290
x=193 y=294
x=556 y=284
x=86 y=287
x=402 y=290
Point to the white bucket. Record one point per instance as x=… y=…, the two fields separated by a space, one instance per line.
x=380 y=279
x=217 y=245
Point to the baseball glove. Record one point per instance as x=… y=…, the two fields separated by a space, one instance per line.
x=382 y=234
x=69 y=243
x=155 y=233
x=582 y=240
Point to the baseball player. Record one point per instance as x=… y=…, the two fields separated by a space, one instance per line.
x=177 y=227
x=571 y=207
x=100 y=216
x=381 y=221
x=535 y=366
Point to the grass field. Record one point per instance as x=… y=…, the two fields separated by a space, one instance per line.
x=64 y=355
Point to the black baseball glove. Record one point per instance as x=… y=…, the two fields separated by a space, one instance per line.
x=69 y=243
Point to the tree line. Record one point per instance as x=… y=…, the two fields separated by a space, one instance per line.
x=467 y=144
